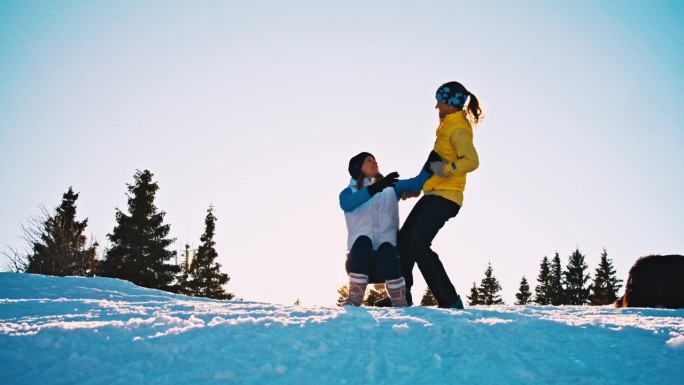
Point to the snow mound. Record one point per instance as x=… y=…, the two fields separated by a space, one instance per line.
x=103 y=331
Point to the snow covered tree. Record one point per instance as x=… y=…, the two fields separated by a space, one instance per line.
x=489 y=289
x=203 y=278
x=428 y=299
x=524 y=294
x=606 y=285
x=60 y=247
x=138 y=253
x=474 y=297
x=557 y=291
x=576 y=289
x=543 y=290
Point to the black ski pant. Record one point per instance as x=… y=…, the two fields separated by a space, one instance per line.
x=379 y=266
x=426 y=218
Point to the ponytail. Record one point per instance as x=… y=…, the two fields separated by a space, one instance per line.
x=474 y=109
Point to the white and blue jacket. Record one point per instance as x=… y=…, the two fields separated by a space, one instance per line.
x=376 y=217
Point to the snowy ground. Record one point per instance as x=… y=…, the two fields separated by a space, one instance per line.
x=105 y=331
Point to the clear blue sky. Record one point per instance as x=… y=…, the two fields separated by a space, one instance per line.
x=256 y=108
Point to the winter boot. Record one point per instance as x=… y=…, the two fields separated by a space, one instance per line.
x=458 y=304
x=396 y=288
x=357 y=289
x=384 y=302
x=387 y=302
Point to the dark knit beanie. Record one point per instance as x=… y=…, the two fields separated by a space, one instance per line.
x=453 y=94
x=355 y=164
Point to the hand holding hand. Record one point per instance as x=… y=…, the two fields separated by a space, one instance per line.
x=433 y=157
x=388 y=181
x=406 y=195
x=437 y=168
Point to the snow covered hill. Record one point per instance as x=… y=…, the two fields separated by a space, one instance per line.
x=106 y=331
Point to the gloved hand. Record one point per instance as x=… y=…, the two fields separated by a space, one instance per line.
x=433 y=157
x=406 y=195
x=437 y=168
x=388 y=181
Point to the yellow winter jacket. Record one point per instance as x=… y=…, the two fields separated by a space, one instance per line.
x=455 y=145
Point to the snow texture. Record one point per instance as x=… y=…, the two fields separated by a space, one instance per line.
x=106 y=331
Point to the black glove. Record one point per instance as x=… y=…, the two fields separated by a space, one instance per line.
x=387 y=181
x=433 y=157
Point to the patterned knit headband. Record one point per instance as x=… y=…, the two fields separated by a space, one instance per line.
x=450 y=96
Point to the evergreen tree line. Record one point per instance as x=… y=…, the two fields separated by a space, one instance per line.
x=139 y=247
x=555 y=286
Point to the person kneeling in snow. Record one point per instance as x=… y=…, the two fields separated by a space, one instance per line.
x=371 y=210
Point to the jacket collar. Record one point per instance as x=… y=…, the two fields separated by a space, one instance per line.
x=456 y=119
x=456 y=116
x=366 y=182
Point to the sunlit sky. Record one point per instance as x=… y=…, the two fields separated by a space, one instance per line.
x=256 y=108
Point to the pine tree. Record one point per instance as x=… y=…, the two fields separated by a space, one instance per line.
x=203 y=278
x=428 y=299
x=606 y=285
x=557 y=294
x=576 y=290
x=60 y=248
x=374 y=292
x=342 y=294
x=524 y=294
x=543 y=289
x=474 y=297
x=489 y=288
x=138 y=253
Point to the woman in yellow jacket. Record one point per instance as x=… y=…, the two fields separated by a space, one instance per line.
x=443 y=193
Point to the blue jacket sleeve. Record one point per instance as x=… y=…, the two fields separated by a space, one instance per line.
x=349 y=200
x=412 y=185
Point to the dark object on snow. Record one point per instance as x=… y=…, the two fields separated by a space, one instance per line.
x=655 y=281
